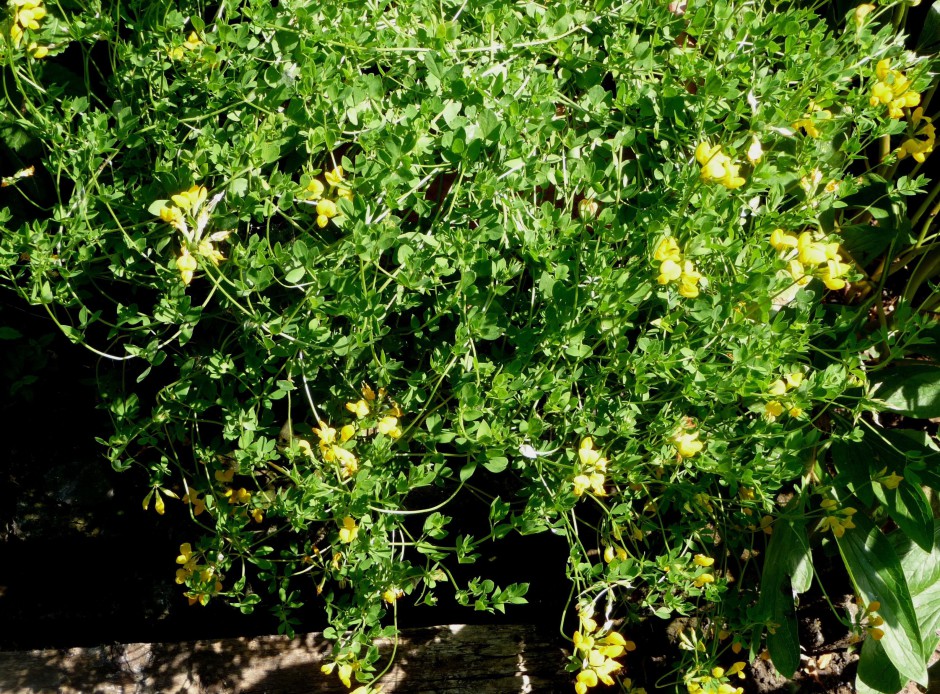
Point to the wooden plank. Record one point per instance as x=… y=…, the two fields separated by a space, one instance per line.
x=455 y=658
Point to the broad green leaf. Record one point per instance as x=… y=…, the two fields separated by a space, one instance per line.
x=909 y=507
x=876 y=572
x=787 y=549
x=857 y=477
x=876 y=673
x=909 y=389
x=929 y=40
x=922 y=571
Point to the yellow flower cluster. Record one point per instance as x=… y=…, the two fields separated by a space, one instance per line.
x=593 y=466
x=188 y=204
x=810 y=120
x=344 y=670
x=717 y=167
x=874 y=621
x=893 y=89
x=235 y=497
x=838 y=520
x=922 y=138
x=672 y=268
x=706 y=578
x=209 y=583
x=823 y=258
x=333 y=451
x=326 y=208
x=26 y=16
x=774 y=408
x=597 y=654
x=331 y=441
x=191 y=43
x=717 y=681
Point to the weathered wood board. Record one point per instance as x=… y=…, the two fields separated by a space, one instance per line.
x=455 y=659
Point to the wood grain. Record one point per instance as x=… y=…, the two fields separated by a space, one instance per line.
x=455 y=658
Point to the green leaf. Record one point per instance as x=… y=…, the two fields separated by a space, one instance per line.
x=156 y=206
x=466 y=472
x=497 y=464
x=876 y=673
x=922 y=571
x=929 y=40
x=787 y=551
x=910 y=389
x=876 y=572
x=909 y=507
x=295 y=275
x=7 y=333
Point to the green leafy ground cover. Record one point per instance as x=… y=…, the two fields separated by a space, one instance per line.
x=616 y=269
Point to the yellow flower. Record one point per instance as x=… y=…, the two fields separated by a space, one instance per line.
x=192 y=497
x=335 y=177
x=669 y=271
x=590 y=458
x=595 y=481
x=702 y=560
x=325 y=433
x=810 y=252
x=191 y=200
x=893 y=90
x=389 y=427
x=755 y=151
x=348 y=531
x=347 y=432
x=585 y=680
x=327 y=208
x=862 y=11
x=797 y=272
x=781 y=241
x=187 y=265
x=39 y=52
x=392 y=594
x=359 y=408
x=257 y=514
x=688 y=280
x=831 y=274
x=736 y=669
x=772 y=410
x=795 y=412
x=712 y=161
x=667 y=249
x=238 y=496
x=346 y=459
x=921 y=143
x=186 y=557
x=838 y=520
x=703 y=580
x=193 y=41
x=889 y=481
x=315 y=189
x=173 y=215
x=794 y=379
x=210 y=252
x=688 y=444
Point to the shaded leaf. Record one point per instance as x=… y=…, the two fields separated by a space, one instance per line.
x=876 y=572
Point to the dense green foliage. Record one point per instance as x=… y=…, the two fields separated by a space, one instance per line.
x=522 y=253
